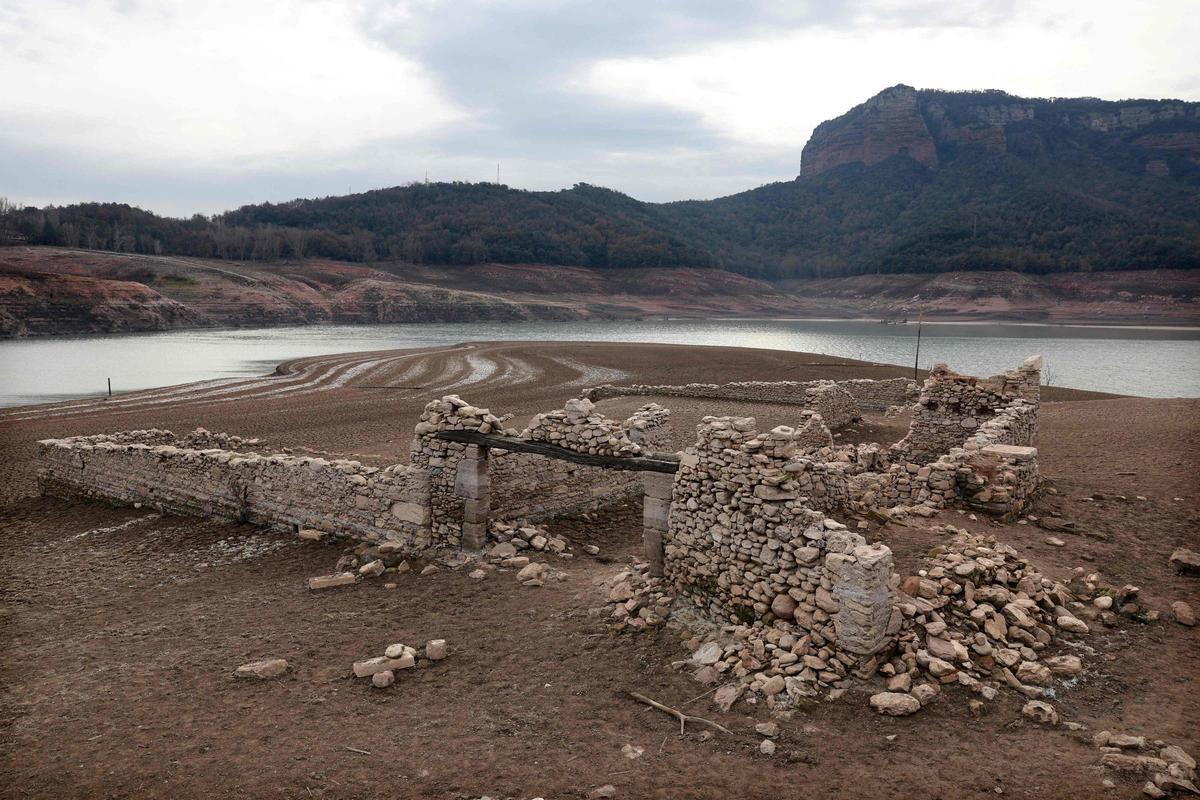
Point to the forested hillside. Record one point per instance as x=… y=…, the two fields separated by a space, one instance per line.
x=909 y=181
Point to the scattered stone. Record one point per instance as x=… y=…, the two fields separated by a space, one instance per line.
x=267 y=668
x=768 y=729
x=1040 y=711
x=631 y=752
x=1183 y=613
x=766 y=747
x=477 y=574
x=1185 y=562
x=1072 y=624
x=429 y=570
x=372 y=569
x=531 y=572
x=605 y=791
x=895 y=704
x=727 y=695
x=1174 y=754
x=435 y=649
x=330 y=581
x=370 y=666
x=396 y=650
x=384 y=679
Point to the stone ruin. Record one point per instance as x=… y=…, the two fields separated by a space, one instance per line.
x=737 y=523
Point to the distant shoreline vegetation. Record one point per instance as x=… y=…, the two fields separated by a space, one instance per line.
x=1054 y=193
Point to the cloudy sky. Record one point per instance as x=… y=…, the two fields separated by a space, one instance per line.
x=202 y=105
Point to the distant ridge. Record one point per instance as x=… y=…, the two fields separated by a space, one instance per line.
x=912 y=180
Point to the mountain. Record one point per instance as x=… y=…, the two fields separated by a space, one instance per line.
x=911 y=181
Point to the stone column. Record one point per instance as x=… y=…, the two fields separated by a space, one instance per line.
x=656 y=511
x=862 y=589
x=472 y=484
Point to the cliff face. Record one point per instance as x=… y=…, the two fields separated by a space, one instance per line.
x=933 y=127
x=888 y=124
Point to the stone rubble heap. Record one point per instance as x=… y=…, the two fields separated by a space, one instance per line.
x=396 y=658
x=982 y=617
x=635 y=600
x=1171 y=768
x=525 y=536
x=579 y=427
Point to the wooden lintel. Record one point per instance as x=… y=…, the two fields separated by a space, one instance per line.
x=655 y=462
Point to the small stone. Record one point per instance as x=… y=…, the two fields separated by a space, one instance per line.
x=766 y=747
x=503 y=550
x=372 y=569
x=1150 y=790
x=709 y=653
x=1040 y=711
x=631 y=752
x=774 y=685
x=727 y=695
x=477 y=574
x=395 y=650
x=1054 y=541
x=768 y=729
x=330 y=581
x=1183 y=613
x=783 y=606
x=1065 y=665
x=429 y=570
x=267 y=668
x=531 y=572
x=1072 y=624
x=607 y=790
x=1185 y=562
x=1127 y=742
x=435 y=649
x=895 y=704
x=1103 y=602
x=900 y=683
x=1174 y=754
x=382 y=680
x=925 y=692
x=364 y=669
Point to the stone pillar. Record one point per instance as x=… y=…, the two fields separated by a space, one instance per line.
x=472 y=484
x=862 y=589
x=656 y=511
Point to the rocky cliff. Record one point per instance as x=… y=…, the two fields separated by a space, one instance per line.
x=930 y=127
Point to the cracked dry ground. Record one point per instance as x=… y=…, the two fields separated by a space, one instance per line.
x=120 y=628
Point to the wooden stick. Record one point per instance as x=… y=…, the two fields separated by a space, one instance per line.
x=682 y=717
x=356 y=750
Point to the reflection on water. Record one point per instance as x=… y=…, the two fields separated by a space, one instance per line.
x=1143 y=361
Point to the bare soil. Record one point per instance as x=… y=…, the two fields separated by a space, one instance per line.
x=120 y=628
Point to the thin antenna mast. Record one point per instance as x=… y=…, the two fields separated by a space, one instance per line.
x=497 y=173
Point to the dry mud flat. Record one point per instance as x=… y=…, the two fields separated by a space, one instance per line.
x=120 y=629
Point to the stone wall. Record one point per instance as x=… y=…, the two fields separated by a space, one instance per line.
x=834 y=403
x=952 y=408
x=180 y=475
x=525 y=484
x=883 y=394
x=743 y=544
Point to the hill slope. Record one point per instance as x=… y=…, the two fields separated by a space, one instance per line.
x=910 y=181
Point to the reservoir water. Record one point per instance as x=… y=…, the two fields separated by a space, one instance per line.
x=1151 y=362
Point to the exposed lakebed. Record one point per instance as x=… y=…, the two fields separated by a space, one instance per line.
x=1150 y=362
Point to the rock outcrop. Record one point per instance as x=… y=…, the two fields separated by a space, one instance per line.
x=931 y=126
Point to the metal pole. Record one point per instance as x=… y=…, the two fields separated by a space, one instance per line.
x=110 y=387
x=917 y=360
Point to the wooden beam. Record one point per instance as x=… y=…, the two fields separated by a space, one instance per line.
x=654 y=462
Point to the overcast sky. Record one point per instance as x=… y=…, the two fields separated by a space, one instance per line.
x=204 y=105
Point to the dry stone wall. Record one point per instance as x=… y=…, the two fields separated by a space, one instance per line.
x=525 y=484
x=952 y=408
x=742 y=544
x=155 y=468
x=834 y=403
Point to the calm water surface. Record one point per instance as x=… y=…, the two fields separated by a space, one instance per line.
x=1151 y=362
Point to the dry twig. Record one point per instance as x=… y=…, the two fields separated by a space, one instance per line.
x=682 y=717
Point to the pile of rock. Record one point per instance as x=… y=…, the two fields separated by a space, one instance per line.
x=454 y=413
x=1170 y=767
x=523 y=536
x=397 y=658
x=982 y=617
x=201 y=439
x=364 y=561
x=635 y=600
x=761 y=662
x=579 y=427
